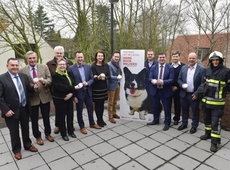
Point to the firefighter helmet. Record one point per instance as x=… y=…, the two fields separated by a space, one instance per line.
x=216 y=55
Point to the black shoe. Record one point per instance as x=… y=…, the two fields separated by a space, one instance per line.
x=65 y=138
x=181 y=127
x=73 y=135
x=166 y=127
x=213 y=147
x=104 y=123
x=176 y=122
x=205 y=137
x=192 y=130
x=153 y=123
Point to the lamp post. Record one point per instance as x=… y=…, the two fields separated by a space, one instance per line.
x=111 y=29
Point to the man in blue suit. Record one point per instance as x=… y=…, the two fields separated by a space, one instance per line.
x=82 y=74
x=161 y=77
x=189 y=79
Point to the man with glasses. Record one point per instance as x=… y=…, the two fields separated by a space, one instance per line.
x=52 y=64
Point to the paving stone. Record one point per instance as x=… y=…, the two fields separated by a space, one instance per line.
x=197 y=154
x=107 y=134
x=5 y=158
x=161 y=137
x=133 y=136
x=103 y=149
x=98 y=164
x=116 y=159
x=119 y=142
x=30 y=162
x=63 y=163
x=146 y=130
x=148 y=143
x=49 y=157
x=184 y=162
x=168 y=166
x=144 y=160
x=218 y=162
x=91 y=140
x=178 y=145
x=165 y=152
x=84 y=156
x=121 y=129
x=74 y=147
x=133 y=150
x=133 y=165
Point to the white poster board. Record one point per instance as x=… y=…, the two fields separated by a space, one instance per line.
x=133 y=94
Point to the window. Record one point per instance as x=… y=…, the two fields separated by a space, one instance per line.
x=202 y=53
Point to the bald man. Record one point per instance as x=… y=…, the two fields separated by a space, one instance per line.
x=189 y=79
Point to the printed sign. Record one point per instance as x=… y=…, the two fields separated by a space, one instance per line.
x=135 y=103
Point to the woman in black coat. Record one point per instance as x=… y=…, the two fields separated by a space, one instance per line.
x=63 y=90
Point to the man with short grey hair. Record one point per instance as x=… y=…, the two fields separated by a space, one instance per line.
x=39 y=73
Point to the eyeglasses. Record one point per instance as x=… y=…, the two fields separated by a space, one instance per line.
x=62 y=64
x=59 y=53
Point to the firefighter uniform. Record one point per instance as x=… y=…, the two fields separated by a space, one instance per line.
x=217 y=79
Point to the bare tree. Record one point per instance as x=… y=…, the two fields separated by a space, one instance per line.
x=209 y=17
x=18 y=29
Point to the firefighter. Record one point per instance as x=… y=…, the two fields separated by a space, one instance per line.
x=217 y=79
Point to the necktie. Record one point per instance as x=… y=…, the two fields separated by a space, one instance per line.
x=160 y=76
x=34 y=72
x=21 y=91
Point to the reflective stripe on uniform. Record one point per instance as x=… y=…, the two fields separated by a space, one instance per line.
x=215 y=81
x=215 y=135
x=208 y=128
x=217 y=103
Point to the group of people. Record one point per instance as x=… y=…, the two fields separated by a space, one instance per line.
x=188 y=85
x=24 y=91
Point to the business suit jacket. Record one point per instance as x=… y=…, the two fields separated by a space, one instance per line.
x=43 y=92
x=167 y=79
x=75 y=75
x=197 y=79
x=113 y=81
x=9 y=99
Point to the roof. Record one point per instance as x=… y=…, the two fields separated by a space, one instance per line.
x=189 y=43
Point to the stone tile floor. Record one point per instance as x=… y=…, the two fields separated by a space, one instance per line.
x=126 y=145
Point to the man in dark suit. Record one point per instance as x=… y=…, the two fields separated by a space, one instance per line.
x=161 y=76
x=177 y=65
x=148 y=65
x=15 y=106
x=189 y=79
x=41 y=99
x=82 y=74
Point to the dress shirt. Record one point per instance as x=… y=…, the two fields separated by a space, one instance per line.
x=82 y=72
x=175 y=65
x=31 y=70
x=190 y=78
x=159 y=70
x=16 y=84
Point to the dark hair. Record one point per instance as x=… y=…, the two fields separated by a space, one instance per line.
x=116 y=52
x=95 y=57
x=77 y=52
x=161 y=53
x=175 y=53
x=14 y=59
